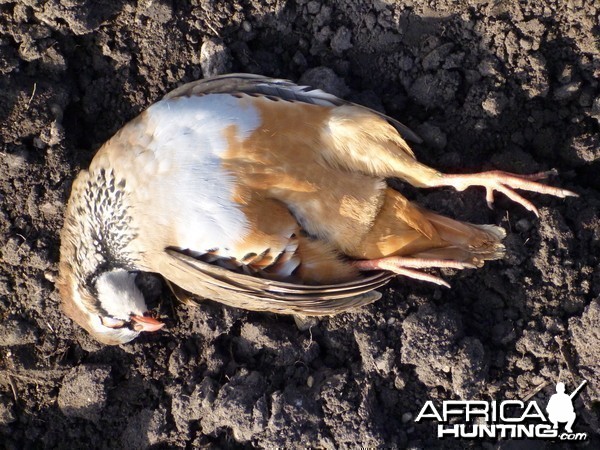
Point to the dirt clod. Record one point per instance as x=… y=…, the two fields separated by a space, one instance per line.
x=83 y=392
x=585 y=332
x=16 y=332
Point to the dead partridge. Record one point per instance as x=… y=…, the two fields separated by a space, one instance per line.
x=265 y=195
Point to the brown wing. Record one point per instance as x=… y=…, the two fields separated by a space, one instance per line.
x=258 y=294
x=277 y=89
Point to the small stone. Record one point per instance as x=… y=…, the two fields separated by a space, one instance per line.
x=215 y=58
x=525 y=44
x=523 y=225
x=399 y=383
x=306 y=322
x=494 y=104
x=52 y=136
x=50 y=276
x=407 y=417
x=300 y=60
x=38 y=143
x=310 y=381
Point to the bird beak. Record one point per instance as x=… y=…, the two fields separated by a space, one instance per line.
x=144 y=323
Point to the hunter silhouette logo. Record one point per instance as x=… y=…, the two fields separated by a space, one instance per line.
x=560 y=407
x=506 y=419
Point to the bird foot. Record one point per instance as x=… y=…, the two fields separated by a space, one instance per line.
x=405 y=266
x=506 y=183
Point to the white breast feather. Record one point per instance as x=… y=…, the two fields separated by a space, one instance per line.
x=188 y=141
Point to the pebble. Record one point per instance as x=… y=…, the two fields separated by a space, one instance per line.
x=399 y=383
x=494 y=104
x=523 y=225
x=310 y=381
x=215 y=58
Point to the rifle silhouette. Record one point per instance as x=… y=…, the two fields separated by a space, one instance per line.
x=576 y=391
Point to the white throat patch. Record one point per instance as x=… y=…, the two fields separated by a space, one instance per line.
x=119 y=295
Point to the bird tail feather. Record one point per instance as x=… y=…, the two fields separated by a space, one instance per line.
x=466 y=241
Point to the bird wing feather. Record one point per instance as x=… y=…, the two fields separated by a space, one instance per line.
x=259 y=85
x=258 y=294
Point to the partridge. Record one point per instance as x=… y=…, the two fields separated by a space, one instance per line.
x=260 y=194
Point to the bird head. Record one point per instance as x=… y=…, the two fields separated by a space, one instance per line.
x=110 y=306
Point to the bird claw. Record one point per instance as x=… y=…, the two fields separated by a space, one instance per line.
x=405 y=266
x=489 y=198
x=506 y=183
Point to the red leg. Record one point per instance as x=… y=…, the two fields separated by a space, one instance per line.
x=405 y=266
x=506 y=183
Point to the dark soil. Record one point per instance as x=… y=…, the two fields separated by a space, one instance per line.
x=503 y=84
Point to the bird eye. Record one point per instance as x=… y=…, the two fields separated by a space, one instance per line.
x=111 y=322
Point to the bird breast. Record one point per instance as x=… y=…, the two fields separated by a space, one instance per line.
x=200 y=169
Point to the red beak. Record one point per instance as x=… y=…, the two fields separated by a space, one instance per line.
x=144 y=323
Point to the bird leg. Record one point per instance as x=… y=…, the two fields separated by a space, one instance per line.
x=404 y=266
x=506 y=183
